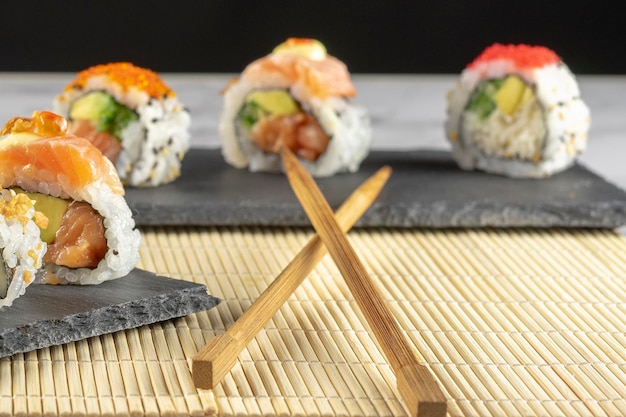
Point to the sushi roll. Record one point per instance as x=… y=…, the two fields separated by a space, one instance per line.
x=21 y=248
x=90 y=235
x=133 y=117
x=297 y=96
x=516 y=111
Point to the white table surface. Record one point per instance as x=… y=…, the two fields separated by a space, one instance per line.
x=407 y=111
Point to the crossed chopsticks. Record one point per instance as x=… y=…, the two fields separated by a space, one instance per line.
x=416 y=384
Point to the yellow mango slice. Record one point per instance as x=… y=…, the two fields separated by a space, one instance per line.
x=512 y=95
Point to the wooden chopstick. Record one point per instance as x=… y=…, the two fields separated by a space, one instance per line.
x=416 y=384
x=217 y=357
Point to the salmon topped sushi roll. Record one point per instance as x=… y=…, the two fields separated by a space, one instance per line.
x=133 y=117
x=90 y=233
x=297 y=96
x=21 y=247
x=516 y=111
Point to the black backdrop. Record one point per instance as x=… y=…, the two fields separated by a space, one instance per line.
x=370 y=36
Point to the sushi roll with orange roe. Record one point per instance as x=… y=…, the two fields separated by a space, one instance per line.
x=297 y=96
x=133 y=117
x=90 y=233
x=516 y=111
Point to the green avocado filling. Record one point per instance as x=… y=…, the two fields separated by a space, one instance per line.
x=106 y=113
x=266 y=102
x=52 y=207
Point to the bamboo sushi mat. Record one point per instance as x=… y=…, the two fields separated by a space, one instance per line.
x=510 y=322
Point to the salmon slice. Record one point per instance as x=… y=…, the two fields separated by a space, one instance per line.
x=80 y=241
x=323 y=78
x=105 y=142
x=68 y=160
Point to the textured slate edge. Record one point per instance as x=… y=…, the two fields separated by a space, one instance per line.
x=606 y=209
x=610 y=214
x=104 y=319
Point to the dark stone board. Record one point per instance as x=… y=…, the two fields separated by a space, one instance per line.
x=48 y=315
x=426 y=189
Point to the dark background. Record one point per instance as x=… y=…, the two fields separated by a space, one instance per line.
x=369 y=36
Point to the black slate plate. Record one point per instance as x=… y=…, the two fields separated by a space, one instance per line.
x=50 y=315
x=426 y=189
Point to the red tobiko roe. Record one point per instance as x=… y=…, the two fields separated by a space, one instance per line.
x=524 y=56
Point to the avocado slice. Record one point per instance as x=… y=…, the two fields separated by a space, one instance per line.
x=52 y=207
x=4 y=279
x=275 y=102
x=106 y=113
x=267 y=102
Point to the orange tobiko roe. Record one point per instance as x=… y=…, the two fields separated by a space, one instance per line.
x=127 y=75
x=523 y=56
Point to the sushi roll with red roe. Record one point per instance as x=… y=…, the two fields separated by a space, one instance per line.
x=298 y=96
x=517 y=111
x=133 y=117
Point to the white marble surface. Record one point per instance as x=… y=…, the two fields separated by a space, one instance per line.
x=407 y=110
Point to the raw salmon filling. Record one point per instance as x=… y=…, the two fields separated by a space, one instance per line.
x=299 y=132
x=273 y=118
x=80 y=241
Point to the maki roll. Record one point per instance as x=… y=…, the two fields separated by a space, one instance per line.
x=133 y=117
x=517 y=111
x=21 y=247
x=90 y=235
x=297 y=96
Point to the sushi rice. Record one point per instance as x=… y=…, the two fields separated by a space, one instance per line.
x=21 y=247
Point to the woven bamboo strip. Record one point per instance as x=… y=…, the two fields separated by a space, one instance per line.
x=111 y=368
x=19 y=386
x=6 y=389
x=33 y=389
x=49 y=406
x=60 y=380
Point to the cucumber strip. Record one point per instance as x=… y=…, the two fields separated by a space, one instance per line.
x=482 y=101
x=249 y=114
